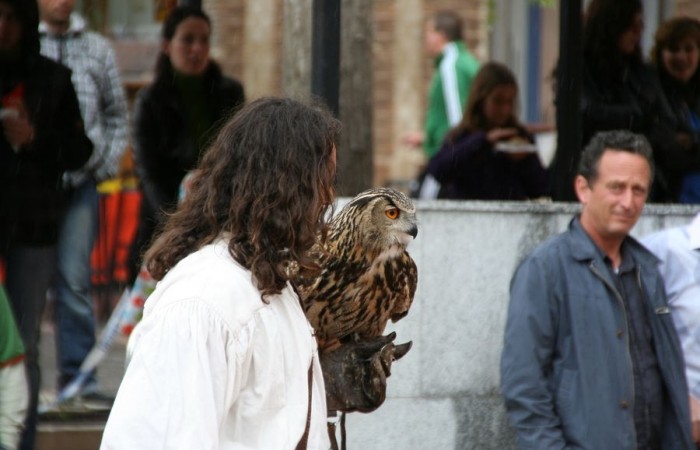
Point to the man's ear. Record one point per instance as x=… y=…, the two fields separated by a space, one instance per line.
x=582 y=189
x=165 y=46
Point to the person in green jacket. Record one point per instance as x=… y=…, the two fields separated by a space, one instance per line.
x=455 y=69
x=14 y=391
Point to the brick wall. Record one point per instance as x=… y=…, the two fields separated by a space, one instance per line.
x=228 y=19
x=382 y=137
x=229 y=22
x=688 y=8
x=475 y=29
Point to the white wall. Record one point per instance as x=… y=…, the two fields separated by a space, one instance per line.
x=444 y=394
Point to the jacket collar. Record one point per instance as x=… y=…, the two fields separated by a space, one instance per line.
x=77 y=26
x=584 y=249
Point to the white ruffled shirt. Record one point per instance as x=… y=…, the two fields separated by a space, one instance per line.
x=213 y=367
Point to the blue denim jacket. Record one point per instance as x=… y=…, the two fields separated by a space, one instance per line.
x=566 y=369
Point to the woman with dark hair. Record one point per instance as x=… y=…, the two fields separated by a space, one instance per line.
x=675 y=56
x=176 y=116
x=482 y=157
x=224 y=356
x=41 y=137
x=618 y=89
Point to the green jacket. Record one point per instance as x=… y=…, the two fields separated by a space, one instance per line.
x=13 y=386
x=11 y=346
x=455 y=69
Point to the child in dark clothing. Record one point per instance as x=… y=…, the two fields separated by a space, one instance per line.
x=489 y=155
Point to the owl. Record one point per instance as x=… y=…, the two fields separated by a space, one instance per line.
x=367 y=275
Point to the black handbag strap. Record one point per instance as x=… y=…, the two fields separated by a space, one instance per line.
x=331 y=431
x=304 y=442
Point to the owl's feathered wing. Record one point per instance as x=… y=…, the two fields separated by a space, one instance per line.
x=358 y=291
x=359 y=299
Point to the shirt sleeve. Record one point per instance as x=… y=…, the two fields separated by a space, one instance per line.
x=114 y=117
x=680 y=270
x=148 y=138
x=450 y=87
x=467 y=154
x=178 y=383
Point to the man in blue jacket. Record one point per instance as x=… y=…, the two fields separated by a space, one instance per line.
x=591 y=358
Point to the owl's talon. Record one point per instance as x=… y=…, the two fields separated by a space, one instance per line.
x=356 y=373
x=401 y=350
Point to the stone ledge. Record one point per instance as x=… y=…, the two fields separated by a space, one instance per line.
x=541 y=206
x=69 y=436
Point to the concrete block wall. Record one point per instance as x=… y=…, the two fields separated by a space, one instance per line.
x=444 y=394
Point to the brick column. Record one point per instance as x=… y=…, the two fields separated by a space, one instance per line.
x=355 y=155
x=261 y=68
x=688 y=8
x=409 y=97
x=296 y=48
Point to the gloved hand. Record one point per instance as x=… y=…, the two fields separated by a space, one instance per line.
x=355 y=373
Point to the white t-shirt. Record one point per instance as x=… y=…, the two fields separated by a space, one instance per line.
x=213 y=367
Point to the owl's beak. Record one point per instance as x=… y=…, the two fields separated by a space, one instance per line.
x=413 y=231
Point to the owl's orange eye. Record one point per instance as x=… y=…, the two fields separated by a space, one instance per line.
x=392 y=213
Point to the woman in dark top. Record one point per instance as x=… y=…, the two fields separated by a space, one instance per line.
x=480 y=158
x=675 y=56
x=618 y=90
x=176 y=116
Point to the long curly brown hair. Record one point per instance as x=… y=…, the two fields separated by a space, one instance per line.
x=266 y=184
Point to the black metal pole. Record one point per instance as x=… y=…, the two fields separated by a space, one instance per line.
x=568 y=100
x=325 y=52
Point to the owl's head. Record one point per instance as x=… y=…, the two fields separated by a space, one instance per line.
x=380 y=217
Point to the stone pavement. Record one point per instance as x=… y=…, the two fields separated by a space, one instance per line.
x=109 y=373
x=78 y=427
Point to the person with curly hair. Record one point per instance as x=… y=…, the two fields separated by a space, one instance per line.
x=224 y=356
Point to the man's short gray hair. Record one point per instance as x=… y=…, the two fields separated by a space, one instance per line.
x=616 y=140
